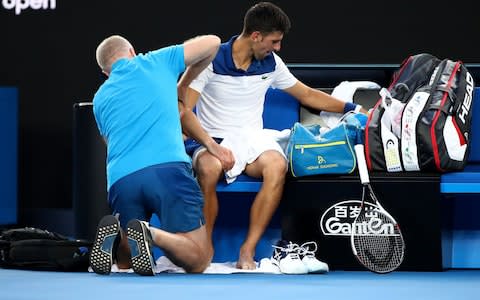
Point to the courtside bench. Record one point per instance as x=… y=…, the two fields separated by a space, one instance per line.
x=461 y=195
x=282 y=111
x=467 y=181
x=460 y=190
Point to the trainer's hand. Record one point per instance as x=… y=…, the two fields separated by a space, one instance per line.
x=223 y=154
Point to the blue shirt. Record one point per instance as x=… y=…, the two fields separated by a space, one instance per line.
x=136 y=110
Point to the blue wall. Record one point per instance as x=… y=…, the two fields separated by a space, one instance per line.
x=8 y=155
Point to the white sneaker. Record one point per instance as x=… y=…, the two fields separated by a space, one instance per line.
x=313 y=265
x=286 y=258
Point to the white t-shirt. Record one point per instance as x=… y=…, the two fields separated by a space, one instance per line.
x=232 y=99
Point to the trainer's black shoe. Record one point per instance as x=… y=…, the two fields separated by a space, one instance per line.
x=106 y=241
x=140 y=242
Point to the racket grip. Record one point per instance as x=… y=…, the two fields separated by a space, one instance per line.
x=362 y=164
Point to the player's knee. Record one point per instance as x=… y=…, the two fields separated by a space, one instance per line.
x=275 y=172
x=208 y=166
x=277 y=166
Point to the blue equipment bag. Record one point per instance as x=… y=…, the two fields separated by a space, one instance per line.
x=311 y=152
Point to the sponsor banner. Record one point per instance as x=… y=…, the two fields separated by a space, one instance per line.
x=17 y=6
x=338 y=220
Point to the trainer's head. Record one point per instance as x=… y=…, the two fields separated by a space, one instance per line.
x=265 y=24
x=110 y=50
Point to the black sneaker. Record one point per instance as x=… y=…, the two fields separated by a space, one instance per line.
x=106 y=241
x=140 y=242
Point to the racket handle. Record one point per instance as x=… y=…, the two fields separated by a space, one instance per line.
x=362 y=164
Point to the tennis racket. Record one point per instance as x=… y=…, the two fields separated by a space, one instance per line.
x=376 y=239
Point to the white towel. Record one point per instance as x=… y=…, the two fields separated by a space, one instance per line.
x=239 y=145
x=247 y=145
x=345 y=91
x=163 y=264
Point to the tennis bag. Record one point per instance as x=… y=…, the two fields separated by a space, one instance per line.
x=433 y=98
x=312 y=151
x=36 y=249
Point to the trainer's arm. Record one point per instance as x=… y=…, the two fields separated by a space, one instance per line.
x=198 y=53
x=317 y=99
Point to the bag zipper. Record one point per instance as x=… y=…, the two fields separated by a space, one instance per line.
x=308 y=146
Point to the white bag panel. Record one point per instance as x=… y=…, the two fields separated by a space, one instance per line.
x=409 y=130
x=453 y=143
x=390 y=146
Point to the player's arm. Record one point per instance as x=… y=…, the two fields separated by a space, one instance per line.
x=192 y=128
x=320 y=100
x=190 y=124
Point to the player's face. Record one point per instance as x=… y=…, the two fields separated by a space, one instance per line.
x=264 y=44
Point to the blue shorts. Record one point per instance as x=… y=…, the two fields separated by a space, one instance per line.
x=192 y=145
x=169 y=190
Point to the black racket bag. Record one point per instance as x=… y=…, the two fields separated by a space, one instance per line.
x=37 y=249
x=433 y=118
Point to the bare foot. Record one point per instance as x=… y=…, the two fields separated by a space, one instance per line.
x=246 y=262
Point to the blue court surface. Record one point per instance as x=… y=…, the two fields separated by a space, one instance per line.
x=452 y=284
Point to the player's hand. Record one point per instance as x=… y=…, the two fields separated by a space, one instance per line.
x=223 y=154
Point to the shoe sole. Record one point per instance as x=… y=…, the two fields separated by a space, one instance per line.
x=288 y=272
x=293 y=272
x=101 y=256
x=142 y=259
x=319 y=270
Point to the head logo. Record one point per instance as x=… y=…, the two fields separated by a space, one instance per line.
x=390 y=144
x=467 y=100
x=19 y=5
x=338 y=220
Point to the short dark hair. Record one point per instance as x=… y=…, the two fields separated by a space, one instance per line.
x=265 y=17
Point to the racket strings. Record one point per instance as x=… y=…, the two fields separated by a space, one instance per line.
x=378 y=242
